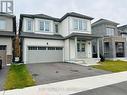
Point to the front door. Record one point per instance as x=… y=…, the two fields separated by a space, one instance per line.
x=119 y=49
x=3 y=54
x=81 y=49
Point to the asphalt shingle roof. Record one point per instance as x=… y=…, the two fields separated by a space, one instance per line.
x=41 y=36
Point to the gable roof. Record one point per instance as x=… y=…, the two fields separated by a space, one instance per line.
x=39 y=16
x=102 y=21
x=7 y=34
x=6 y=14
x=83 y=35
x=122 y=27
x=41 y=36
x=73 y=14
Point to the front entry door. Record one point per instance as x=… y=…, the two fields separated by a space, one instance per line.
x=81 y=49
x=119 y=49
x=3 y=54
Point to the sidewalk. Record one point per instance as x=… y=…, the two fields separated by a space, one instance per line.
x=71 y=86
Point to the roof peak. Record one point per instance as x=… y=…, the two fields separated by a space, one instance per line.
x=73 y=14
x=102 y=20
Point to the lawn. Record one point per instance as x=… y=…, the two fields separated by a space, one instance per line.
x=18 y=77
x=113 y=66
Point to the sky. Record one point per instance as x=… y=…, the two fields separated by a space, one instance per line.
x=115 y=10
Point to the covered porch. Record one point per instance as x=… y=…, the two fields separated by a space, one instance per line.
x=80 y=48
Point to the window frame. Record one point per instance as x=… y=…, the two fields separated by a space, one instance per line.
x=56 y=28
x=27 y=24
x=110 y=31
x=81 y=43
x=5 y=23
x=81 y=24
x=45 y=29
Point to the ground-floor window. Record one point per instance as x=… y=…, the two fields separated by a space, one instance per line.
x=2 y=47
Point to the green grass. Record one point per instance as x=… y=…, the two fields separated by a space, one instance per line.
x=113 y=66
x=18 y=77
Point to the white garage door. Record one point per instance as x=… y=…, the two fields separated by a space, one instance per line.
x=39 y=54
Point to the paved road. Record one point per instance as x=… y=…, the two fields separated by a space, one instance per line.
x=116 y=89
x=3 y=74
x=82 y=85
x=55 y=72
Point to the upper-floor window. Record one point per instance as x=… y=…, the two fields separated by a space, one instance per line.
x=56 y=28
x=29 y=25
x=2 y=24
x=79 y=24
x=44 y=26
x=110 y=31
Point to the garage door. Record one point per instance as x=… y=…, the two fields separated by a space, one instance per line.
x=3 y=54
x=38 y=54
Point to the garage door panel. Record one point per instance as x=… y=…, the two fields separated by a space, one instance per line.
x=41 y=56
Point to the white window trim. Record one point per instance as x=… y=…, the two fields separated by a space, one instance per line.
x=32 y=25
x=38 y=22
x=80 y=42
x=83 y=21
x=4 y=25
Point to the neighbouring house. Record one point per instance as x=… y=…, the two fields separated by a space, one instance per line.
x=48 y=39
x=7 y=36
x=112 y=45
x=123 y=31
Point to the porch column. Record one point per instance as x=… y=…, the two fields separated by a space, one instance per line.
x=75 y=47
x=113 y=48
x=98 y=50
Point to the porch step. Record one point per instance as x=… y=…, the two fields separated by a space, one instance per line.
x=86 y=61
x=92 y=60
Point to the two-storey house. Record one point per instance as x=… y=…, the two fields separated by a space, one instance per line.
x=48 y=39
x=112 y=45
x=123 y=31
x=7 y=34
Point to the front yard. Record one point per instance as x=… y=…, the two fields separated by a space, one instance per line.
x=18 y=77
x=113 y=66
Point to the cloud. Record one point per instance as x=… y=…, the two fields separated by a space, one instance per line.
x=110 y=9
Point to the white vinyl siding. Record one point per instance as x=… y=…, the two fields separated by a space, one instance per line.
x=79 y=24
x=110 y=31
x=2 y=24
x=44 y=26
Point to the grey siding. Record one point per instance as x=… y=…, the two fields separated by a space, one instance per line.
x=100 y=30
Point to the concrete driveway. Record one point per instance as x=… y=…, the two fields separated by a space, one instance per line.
x=3 y=74
x=54 y=72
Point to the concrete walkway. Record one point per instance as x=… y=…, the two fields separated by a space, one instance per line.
x=71 y=86
x=3 y=74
